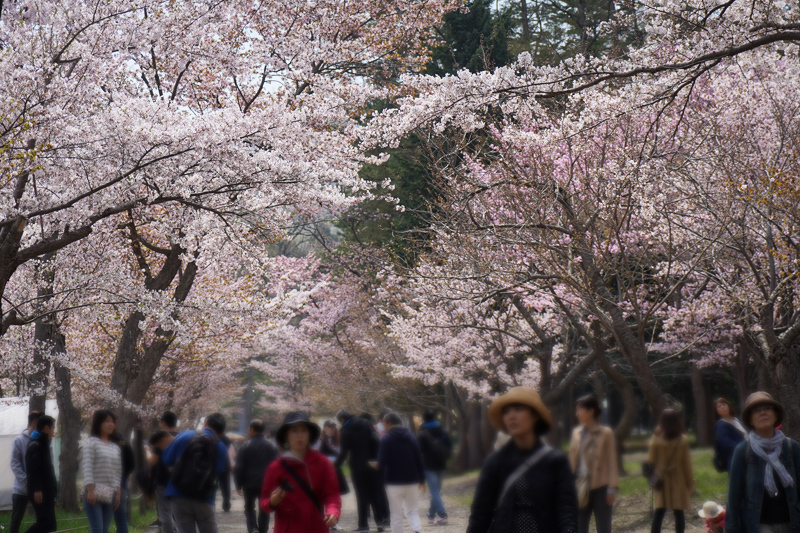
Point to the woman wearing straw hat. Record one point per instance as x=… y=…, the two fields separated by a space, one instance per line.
x=765 y=469
x=525 y=486
x=301 y=486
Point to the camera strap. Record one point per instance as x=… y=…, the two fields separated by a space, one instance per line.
x=303 y=485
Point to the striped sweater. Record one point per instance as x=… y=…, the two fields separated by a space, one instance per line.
x=102 y=463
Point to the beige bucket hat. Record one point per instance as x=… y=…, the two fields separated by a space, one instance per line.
x=523 y=396
x=761 y=398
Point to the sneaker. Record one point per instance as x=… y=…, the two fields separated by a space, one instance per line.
x=442 y=521
x=380 y=528
x=431 y=521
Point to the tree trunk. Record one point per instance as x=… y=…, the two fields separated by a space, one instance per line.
x=526 y=24
x=69 y=418
x=623 y=430
x=701 y=402
x=45 y=335
x=474 y=437
x=785 y=374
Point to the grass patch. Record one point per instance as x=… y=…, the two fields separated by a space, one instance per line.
x=78 y=523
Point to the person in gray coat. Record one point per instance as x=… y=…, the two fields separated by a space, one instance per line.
x=19 y=495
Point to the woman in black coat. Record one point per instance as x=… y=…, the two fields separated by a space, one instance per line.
x=525 y=486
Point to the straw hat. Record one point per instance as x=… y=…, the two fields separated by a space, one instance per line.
x=710 y=510
x=523 y=396
x=761 y=398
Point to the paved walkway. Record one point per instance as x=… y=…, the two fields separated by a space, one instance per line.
x=233 y=522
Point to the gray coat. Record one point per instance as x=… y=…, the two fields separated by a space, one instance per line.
x=18 y=463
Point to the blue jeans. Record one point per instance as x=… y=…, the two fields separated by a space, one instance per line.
x=121 y=514
x=434 y=480
x=99 y=516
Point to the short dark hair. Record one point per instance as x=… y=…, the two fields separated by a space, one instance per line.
x=169 y=418
x=257 y=426
x=670 y=424
x=216 y=422
x=100 y=416
x=429 y=416
x=158 y=436
x=33 y=416
x=731 y=408
x=343 y=414
x=393 y=418
x=329 y=424
x=366 y=416
x=590 y=401
x=45 y=421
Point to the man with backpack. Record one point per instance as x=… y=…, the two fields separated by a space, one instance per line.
x=255 y=455
x=197 y=459
x=436 y=450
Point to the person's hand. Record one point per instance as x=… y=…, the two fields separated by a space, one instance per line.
x=91 y=499
x=276 y=497
x=117 y=500
x=239 y=492
x=38 y=497
x=423 y=488
x=331 y=520
x=610 y=499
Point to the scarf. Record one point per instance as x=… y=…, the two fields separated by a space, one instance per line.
x=770 y=451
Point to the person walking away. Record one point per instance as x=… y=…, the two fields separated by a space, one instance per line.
x=168 y=423
x=357 y=448
x=197 y=459
x=225 y=476
x=593 y=458
x=672 y=463
x=330 y=446
x=526 y=485
x=300 y=487
x=41 y=475
x=19 y=494
x=765 y=471
x=128 y=466
x=379 y=501
x=255 y=455
x=102 y=472
x=729 y=432
x=402 y=471
x=436 y=449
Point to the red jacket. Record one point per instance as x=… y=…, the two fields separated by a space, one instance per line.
x=296 y=513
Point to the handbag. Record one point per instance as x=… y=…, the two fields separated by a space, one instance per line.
x=103 y=493
x=582 y=485
x=653 y=479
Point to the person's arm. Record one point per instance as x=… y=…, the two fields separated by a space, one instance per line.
x=88 y=462
x=223 y=461
x=116 y=467
x=128 y=459
x=727 y=435
x=736 y=484
x=270 y=486
x=687 y=464
x=238 y=468
x=33 y=466
x=418 y=460
x=18 y=460
x=613 y=467
x=170 y=455
x=345 y=449
x=483 y=503
x=566 y=504
x=329 y=494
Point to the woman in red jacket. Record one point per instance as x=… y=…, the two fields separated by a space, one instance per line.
x=300 y=487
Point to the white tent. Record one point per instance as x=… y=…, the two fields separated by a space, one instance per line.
x=13 y=421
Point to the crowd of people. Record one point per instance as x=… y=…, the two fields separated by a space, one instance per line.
x=525 y=486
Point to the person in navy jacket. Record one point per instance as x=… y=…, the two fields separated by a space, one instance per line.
x=729 y=429
x=401 y=467
x=191 y=513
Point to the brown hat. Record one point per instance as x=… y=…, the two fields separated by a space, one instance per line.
x=761 y=398
x=523 y=396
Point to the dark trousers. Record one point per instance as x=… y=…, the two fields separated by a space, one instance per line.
x=658 y=517
x=19 y=503
x=601 y=510
x=379 y=501
x=362 y=487
x=251 y=502
x=45 y=516
x=225 y=489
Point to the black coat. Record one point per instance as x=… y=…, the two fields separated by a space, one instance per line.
x=128 y=457
x=359 y=443
x=399 y=459
x=39 y=467
x=255 y=455
x=552 y=491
